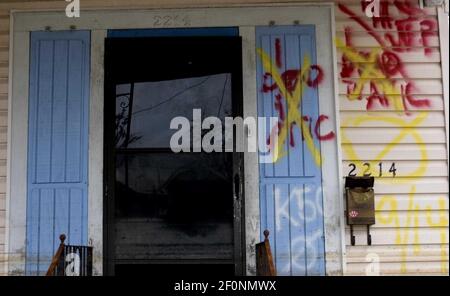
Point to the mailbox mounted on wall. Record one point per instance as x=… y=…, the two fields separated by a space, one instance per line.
x=360 y=202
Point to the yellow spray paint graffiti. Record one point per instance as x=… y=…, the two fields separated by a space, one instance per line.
x=377 y=69
x=405 y=128
x=370 y=72
x=293 y=100
x=408 y=232
x=442 y=222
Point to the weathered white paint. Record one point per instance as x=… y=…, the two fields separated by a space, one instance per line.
x=251 y=176
x=95 y=185
x=338 y=140
x=385 y=135
x=245 y=16
x=331 y=174
x=18 y=152
x=436 y=120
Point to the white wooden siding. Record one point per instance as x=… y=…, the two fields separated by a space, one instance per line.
x=401 y=152
x=436 y=103
x=411 y=233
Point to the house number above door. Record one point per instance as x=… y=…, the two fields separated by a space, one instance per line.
x=166 y=20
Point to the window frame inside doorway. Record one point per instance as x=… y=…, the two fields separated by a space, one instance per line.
x=98 y=22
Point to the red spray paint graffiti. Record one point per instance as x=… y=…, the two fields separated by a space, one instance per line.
x=291 y=78
x=278 y=53
x=413 y=30
x=380 y=69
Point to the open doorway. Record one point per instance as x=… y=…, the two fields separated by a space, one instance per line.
x=165 y=211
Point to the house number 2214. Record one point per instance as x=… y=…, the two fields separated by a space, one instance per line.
x=367 y=171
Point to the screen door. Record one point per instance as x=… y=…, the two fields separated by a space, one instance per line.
x=170 y=212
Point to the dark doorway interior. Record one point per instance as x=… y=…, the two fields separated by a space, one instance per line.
x=181 y=271
x=163 y=208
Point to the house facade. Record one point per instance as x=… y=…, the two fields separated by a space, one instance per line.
x=88 y=98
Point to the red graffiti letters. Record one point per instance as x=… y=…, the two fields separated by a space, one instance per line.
x=379 y=70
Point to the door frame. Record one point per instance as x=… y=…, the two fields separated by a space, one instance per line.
x=109 y=170
x=246 y=17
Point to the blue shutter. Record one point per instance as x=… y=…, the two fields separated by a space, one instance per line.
x=57 y=144
x=291 y=188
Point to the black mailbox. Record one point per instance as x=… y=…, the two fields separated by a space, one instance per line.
x=360 y=200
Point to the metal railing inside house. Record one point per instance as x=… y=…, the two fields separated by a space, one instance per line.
x=70 y=260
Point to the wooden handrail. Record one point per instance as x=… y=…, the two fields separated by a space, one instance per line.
x=55 y=260
x=264 y=259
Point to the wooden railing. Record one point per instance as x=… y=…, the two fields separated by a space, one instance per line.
x=264 y=259
x=55 y=260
